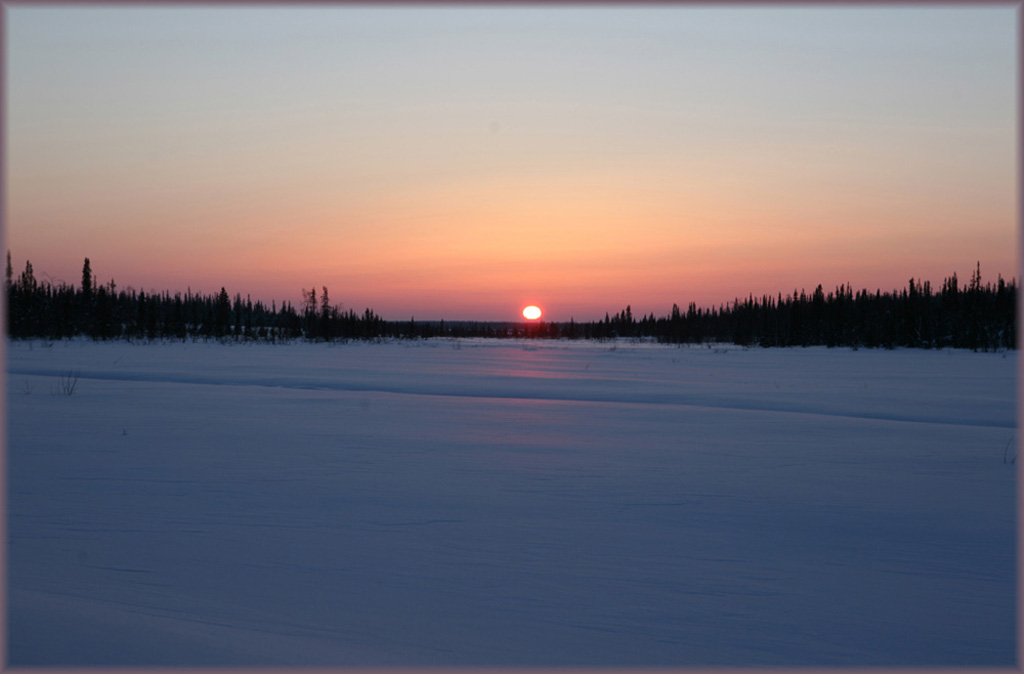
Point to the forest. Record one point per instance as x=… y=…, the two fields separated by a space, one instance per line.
x=975 y=316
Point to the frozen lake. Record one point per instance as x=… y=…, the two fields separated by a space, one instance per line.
x=497 y=503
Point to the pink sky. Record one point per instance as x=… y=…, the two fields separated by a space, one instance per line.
x=461 y=163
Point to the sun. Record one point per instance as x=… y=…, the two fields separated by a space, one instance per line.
x=531 y=313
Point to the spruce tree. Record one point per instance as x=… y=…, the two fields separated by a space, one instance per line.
x=28 y=278
x=85 y=322
x=86 y=281
x=222 y=313
x=325 y=315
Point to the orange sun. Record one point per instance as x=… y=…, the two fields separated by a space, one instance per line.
x=531 y=313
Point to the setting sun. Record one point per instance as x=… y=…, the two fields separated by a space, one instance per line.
x=531 y=313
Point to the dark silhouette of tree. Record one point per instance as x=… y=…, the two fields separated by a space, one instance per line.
x=237 y=317
x=310 y=314
x=86 y=281
x=222 y=314
x=85 y=309
x=103 y=325
x=326 y=316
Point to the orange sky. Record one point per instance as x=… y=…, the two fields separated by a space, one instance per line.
x=463 y=162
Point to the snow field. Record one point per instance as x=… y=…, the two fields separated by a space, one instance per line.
x=496 y=503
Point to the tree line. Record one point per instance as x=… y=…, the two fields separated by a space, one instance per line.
x=41 y=309
x=975 y=316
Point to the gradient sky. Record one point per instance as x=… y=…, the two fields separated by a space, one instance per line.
x=461 y=162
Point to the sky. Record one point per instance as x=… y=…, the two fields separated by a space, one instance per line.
x=461 y=162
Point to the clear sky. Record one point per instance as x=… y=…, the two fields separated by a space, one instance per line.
x=461 y=162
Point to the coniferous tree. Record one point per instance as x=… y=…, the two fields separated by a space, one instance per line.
x=310 y=313
x=86 y=281
x=102 y=323
x=236 y=315
x=222 y=314
x=325 y=316
x=29 y=303
x=85 y=310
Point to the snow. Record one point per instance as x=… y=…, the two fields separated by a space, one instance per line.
x=502 y=503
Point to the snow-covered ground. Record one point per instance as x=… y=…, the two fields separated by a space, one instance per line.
x=509 y=503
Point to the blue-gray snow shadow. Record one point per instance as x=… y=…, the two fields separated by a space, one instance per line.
x=533 y=512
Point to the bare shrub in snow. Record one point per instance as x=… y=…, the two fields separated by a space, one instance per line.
x=66 y=384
